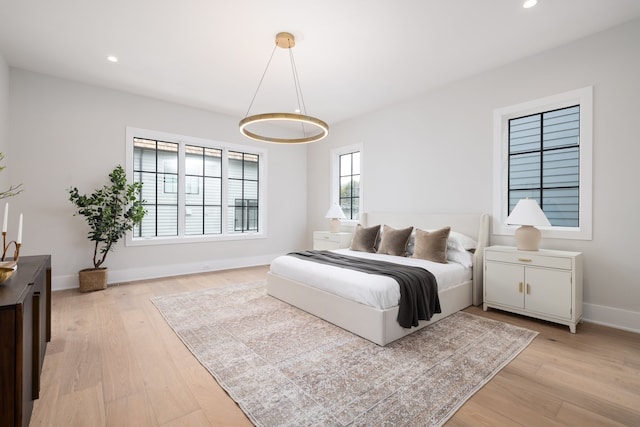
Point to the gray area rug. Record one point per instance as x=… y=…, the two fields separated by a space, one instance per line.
x=285 y=367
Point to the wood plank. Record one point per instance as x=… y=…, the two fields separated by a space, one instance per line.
x=168 y=394
x=119 y=369
x=82 y=365
x=80 y=408
x=196 y=418
x=45 y=408
x=132 y=410
x=573 y=415
x=474 y=414
x=498 y=399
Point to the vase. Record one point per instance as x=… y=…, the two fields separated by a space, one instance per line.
x=92 y=279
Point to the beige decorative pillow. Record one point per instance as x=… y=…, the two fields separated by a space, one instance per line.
x=394 y=242
x=364 y=239
x=432 y=246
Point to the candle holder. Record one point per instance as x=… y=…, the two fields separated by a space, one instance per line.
x=7 y=268
x=5 y=246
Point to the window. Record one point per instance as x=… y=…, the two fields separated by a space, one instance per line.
x=243 y=191
x=185 y=181
x=203 y=171
x=170 y=184
x=346 y=182
x=246 y=215
x=544 y=163
x=155 y=163
x=350 y=184
x=542 y=150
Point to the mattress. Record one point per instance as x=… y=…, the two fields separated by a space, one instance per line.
x=380 y=292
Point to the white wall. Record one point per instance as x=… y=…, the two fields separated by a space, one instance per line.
x=434 y=154
x=66 y=134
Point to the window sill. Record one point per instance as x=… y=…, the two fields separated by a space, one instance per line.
x=569 y=233
x=173 y=240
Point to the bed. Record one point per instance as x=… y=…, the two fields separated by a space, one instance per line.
x=376 y=324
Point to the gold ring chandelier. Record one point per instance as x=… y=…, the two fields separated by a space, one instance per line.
x=313 y=129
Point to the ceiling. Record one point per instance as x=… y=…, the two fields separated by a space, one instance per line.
x=352 y=56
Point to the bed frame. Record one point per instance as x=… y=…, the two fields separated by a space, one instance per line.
x=381 y=326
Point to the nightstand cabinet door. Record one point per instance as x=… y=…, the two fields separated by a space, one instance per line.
x=548 y=292
x=507 y=284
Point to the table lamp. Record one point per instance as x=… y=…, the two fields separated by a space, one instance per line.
x=527 y=214
x=335 y=213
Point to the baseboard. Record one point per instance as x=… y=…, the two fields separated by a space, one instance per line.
x=63 y=282
x=614 y=317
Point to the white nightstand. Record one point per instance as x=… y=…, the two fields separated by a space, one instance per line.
x=545 y=284
x=324 y=240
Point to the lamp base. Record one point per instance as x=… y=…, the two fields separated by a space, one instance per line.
x=334 y=225
x=528 y=238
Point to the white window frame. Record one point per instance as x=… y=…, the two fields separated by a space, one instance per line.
x=130 y=240
x=335 y=177
x=501 y=117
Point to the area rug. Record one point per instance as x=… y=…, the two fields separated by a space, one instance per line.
x=285 y=367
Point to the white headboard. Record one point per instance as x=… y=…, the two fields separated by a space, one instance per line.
x=473 y=225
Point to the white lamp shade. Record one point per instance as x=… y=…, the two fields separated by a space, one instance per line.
x=527 y=212
x=335 y=211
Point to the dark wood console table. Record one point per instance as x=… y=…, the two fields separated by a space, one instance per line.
x=25 y=329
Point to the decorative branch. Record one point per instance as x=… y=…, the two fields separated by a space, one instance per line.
x=13 y=189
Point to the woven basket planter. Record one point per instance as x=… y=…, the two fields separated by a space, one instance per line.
x=92 y=279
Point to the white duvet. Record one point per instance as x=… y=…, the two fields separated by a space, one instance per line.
x=373 y=290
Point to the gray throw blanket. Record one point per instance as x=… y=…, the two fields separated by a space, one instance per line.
x=418 y=287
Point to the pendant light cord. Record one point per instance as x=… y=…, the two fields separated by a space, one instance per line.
x=299 y=97
x=261 y=79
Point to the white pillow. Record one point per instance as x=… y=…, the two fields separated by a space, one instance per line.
x=460 y=241
x=460 y=256
x=411 y=243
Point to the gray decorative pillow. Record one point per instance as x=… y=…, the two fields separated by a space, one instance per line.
x=432 y=245
x=394 y=242
x=364 y=239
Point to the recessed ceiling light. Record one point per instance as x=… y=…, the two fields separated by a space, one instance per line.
x=112 y=58
x=529 y=3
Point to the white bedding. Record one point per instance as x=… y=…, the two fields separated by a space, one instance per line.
x=373 y=290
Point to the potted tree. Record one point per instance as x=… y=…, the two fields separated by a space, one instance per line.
x=110 y=212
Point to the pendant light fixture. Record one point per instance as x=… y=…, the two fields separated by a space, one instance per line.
x=312 y=129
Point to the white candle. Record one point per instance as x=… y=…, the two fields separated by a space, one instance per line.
x=6 y=217
x=19 y=239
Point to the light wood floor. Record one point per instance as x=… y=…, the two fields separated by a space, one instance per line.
x=114 y=361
